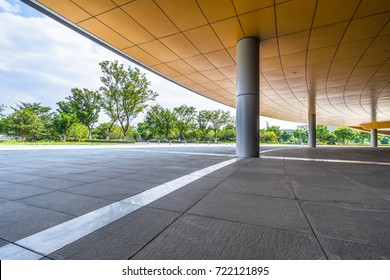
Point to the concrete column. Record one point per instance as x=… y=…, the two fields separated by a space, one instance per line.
x=312 y=131
x=374 y=138
x=247 y=97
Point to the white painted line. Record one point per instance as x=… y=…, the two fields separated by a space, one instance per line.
x=14 y=252
x=277 y=149
x=187 y=153
x=330 y=160
x=57 y=237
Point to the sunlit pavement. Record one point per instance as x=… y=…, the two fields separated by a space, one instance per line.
x=193 y=202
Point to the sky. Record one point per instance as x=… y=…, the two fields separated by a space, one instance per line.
x=41 y=60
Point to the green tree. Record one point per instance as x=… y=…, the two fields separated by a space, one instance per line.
x=343 y=134
x=153 y=120
x=44 y=113
x=384 y=140
x=301 y=135
x=275 y=129
x=322 y=133
x=185 y=119
x=219 y=119
x=228 y=133
x=286 y=136
x=331 y=139
x=160 y=121
x=362 y=137
x=3 y=120
x=85 y=104
x=25 y=123
x=63 y=120
x=107 y=131
x=143 y=131
x=2 y=109
x=203 y=123
x=126 y=91
x=79 y=131
x=167 y=124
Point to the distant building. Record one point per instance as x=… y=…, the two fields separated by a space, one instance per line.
x=303 y=126
x=288 y=130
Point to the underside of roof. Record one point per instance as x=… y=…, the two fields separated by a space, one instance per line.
x=328 y=57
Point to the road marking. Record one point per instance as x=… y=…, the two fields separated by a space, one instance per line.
x=329 y=160
x=52 y=239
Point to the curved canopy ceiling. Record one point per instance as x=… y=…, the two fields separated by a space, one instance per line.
x=329 y=57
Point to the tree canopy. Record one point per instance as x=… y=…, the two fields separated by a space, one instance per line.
x=125 y=93
x=85 y=104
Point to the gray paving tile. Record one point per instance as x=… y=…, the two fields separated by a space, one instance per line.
x=274 y=170
x=204 y=184
x=258 y=184
x=120 y=239
x=14 y=191
x=18 y=220
x=354 y=197
x=3 y=242
x=252 y=209
x=113 y=189
x=349 y=223
x=194 y=237
x=329 y=181
x=265 y=163
x=110 y=173
x=152 y=176
x=179 y=201
x=53 y=183
x=379 y=182
x=81 y=177
x=68 y=203
x=345 y=250
x=17 y=177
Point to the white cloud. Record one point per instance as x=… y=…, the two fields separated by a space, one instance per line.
x=8 y=7
x=41 y=60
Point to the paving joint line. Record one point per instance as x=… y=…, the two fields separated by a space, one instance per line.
x=181 y=214
x=53 y=239
x=303 y=212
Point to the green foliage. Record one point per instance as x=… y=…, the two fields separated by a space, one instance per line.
x=185 y=119
x=286 y=136
x=160 y=122
x=385 y=140
x=78 y=131
x=218 y=120
x=3 y=120
x=63 y=120
x=108 y=131
x=267 y=136
x=362 y=137
x=86 y=105
x=301 y=135
x=322 y=133
x=2 y=109
x=202 y=124
x=143 y=131
x=331 y=139
x=24 y=123
x=125 y=93
x=342 y=134
x=275 y=129
x=43 y=113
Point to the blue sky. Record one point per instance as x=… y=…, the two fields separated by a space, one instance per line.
x=41 y=60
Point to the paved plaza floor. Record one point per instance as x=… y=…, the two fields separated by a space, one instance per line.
x=194 y=202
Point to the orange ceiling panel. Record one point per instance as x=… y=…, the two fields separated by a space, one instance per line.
x=327 y=56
